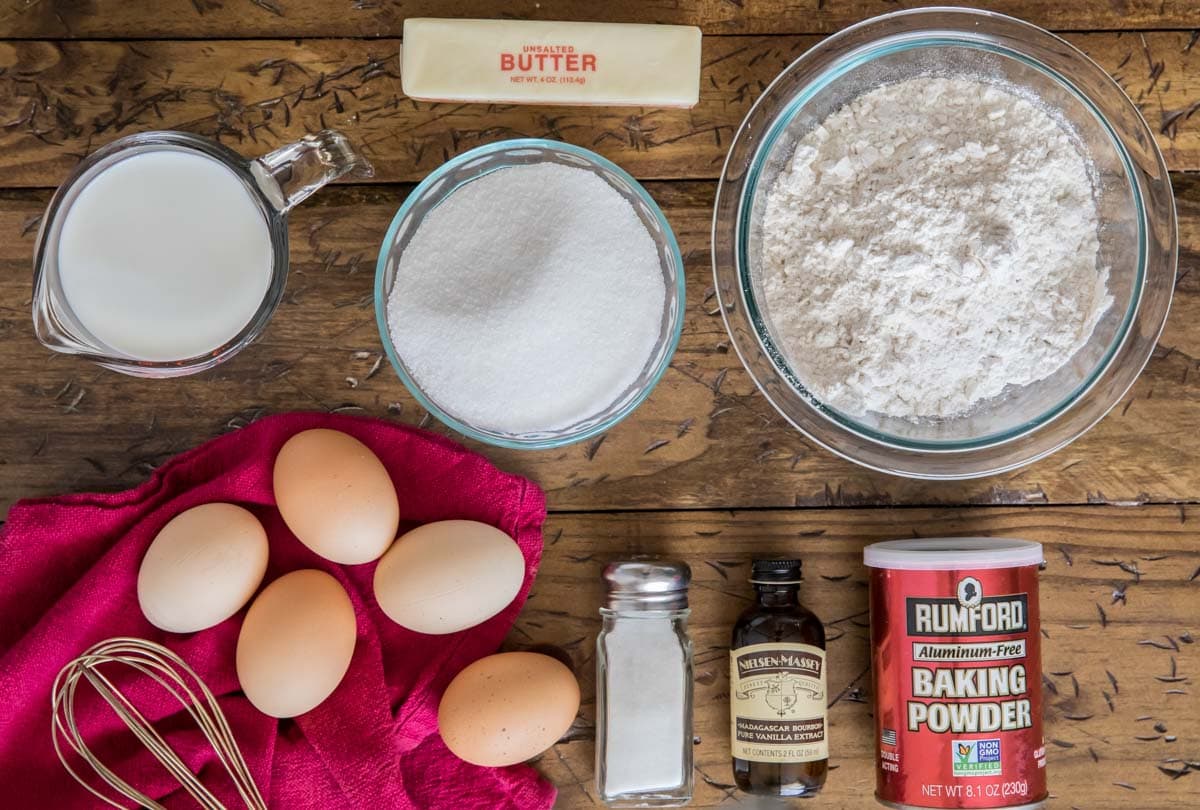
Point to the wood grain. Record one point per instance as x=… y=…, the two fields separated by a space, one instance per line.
x=1092 y=745
x=61 y=100
x=77 y=427
x=1116 y=510
x=374 y=18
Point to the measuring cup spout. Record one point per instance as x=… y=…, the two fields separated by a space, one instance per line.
x=291 y=173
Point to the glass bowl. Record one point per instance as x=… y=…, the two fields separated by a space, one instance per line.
x=464 y=168
x=1138 y=238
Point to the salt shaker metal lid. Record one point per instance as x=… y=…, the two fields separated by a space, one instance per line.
x=647 y=584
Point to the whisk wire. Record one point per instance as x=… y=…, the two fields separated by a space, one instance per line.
x=168 y=670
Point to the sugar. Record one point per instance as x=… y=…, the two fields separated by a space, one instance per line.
x=529 y=300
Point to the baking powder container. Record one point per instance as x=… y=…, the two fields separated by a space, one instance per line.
x=956 y=663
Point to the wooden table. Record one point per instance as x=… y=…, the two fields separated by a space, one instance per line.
x=705 y=470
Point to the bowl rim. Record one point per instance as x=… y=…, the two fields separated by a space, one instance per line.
x=1150 y=185
x=864 y=54
x=545 y=145
x=47 y=325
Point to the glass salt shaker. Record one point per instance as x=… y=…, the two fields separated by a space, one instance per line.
x=644 y=686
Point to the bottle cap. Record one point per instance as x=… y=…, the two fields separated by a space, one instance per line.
x=647 y=584
x=776 y=572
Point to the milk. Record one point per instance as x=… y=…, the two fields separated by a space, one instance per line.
x=164 y=255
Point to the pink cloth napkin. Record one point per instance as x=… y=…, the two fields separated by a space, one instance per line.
x=68 y=568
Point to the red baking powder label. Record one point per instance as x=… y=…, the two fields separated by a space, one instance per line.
x=956 y=657
x=548 y=64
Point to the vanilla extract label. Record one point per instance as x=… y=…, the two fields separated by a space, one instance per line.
x=776 y=661
x=779 y=732
x=778 y=701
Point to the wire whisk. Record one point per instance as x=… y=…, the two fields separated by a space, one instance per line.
x=182 y=683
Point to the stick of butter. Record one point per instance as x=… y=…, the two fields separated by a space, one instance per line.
x=529 y=62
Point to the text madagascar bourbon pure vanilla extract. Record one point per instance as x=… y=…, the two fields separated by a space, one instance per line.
x=777 y=688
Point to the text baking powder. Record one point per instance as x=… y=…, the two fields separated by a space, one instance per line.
x=529 y=299
x=930 y=243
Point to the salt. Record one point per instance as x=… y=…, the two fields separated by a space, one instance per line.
x=646 y=727
x=644 y=686
x=529 y=300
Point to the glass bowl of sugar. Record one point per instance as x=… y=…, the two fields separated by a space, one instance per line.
x=944 y=243
x=529 y=294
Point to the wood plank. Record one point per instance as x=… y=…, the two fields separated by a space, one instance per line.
x=370 y=18
x=74 y=426
x=65 y=99
x=1086 y=756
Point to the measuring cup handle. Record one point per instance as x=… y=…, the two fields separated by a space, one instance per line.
x=291 y=173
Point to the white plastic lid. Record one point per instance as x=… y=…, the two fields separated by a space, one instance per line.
x=953 y=553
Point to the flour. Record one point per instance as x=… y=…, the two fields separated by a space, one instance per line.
x=929 y=244
x=529 y=300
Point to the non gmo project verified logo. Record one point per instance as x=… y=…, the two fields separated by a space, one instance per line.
x=976 y=757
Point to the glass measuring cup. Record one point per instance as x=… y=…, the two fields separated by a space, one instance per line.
x=274 y=184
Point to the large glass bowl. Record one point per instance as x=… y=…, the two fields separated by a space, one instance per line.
x=1138 y=239
x=464 y=168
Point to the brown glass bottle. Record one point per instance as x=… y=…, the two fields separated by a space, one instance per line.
x=778 y=689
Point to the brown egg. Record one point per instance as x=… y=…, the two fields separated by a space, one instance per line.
x=447 y=576
x=202 y=567
x=296 y=643
x=336 y=496
x=507 y=708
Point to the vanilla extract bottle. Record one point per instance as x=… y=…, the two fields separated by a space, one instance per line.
x=777 y=688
